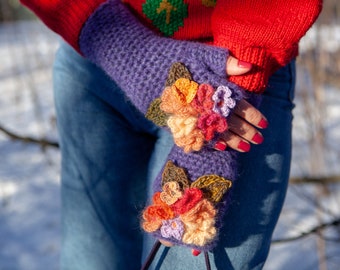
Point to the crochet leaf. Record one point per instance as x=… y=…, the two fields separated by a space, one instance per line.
x=173 y=173
x=155 y=114
x=177 y=71
x=214 y=186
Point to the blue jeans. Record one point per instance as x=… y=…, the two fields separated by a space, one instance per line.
x=111 y=154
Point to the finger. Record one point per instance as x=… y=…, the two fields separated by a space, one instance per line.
x=233 y=141
x=237 y=67
x=243 y=129
x=249 y=113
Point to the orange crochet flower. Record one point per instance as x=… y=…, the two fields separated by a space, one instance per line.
x=173 y=102
x=171 y=192
x=186 y=89
x=154 y=214
x=193 y=142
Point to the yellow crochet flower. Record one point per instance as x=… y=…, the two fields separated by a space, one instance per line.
x=199 y=224
x=186 y=89
x=185 y=132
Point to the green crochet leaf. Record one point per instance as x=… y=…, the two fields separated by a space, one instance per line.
x=173 y=173
x=214 y=186
x=177 y=71
x=155 y=114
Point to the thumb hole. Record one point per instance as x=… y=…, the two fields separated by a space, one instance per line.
x=237 y=67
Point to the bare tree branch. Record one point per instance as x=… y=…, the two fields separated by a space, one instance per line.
x=26 y=139
x=315 y=180
x=317 y=228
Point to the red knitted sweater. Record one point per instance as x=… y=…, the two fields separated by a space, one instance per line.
x=263 y=32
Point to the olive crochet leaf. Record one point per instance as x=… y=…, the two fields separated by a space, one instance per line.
x=155 y=114
x=213 y=186
x=177 y=71
x=172 y=172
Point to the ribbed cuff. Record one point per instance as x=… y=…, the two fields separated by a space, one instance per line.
x=264 y=64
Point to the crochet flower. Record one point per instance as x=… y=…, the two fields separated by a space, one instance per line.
x=174 y=102
x=199 y=224
x=186 y=89
x=192 y=142
x=154 y=214
x=223 y=101
x=203 y=101
x=210 y=123
x=171 y=192
x=172 y=228
x=181 y=126
x=189 y=199
x=185 y=132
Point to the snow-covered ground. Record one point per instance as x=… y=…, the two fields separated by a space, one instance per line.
x=29 y=174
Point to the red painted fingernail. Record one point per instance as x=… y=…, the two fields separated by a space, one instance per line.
x=243 y=64
x=220 y=146
x=263 y=123
x=258 y=138
x=243 y=146
x=196 y=252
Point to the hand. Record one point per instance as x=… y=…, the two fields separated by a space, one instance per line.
x=243 y=128
x=245 y=120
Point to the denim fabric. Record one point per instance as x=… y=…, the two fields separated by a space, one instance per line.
x=111 y=154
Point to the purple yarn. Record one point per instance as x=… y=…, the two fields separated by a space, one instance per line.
x=224 y=103
x=168 y=230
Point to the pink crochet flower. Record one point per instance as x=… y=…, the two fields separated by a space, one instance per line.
x=189 y=199
x=210 y=123
x=203 y=100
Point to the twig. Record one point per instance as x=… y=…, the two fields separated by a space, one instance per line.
x=26 y=139
x=322 y=226
x=315 y=180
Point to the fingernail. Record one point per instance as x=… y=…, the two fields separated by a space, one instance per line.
x=220 y=146
x=258 y=138
x=196 y=252
x=243 y=146
x=243 y=64
x=263 y=123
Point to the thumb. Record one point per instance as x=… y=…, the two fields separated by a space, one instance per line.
x=237 y=67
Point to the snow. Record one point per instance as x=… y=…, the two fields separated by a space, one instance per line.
x=29 y=174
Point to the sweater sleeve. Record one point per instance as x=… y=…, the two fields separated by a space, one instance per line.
x=65 y=17
x=265 y=33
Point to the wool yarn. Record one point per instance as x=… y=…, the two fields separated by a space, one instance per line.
x=264 y=33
